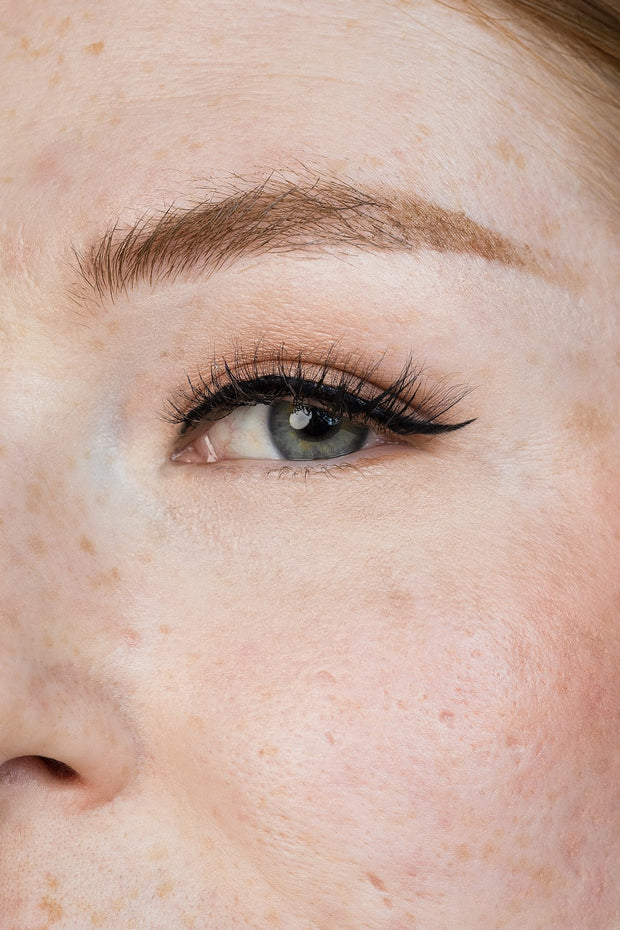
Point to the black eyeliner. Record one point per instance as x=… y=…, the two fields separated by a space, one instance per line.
x=406 y=407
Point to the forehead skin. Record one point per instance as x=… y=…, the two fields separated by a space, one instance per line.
x=383 y=697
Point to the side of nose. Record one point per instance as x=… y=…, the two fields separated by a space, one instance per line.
x=62 y=733
x=63 y=714
x=63 y=722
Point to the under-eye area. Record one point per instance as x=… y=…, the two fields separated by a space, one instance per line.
x=282 y=407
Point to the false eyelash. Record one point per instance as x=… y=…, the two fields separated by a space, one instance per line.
x=405 y=407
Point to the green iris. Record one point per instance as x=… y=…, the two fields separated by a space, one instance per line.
x=301 y=433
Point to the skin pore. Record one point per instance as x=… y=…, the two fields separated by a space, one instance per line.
x=376 y=691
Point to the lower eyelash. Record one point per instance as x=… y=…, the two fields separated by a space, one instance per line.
x=405 y=407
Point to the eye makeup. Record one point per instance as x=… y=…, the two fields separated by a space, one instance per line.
x=342 y=386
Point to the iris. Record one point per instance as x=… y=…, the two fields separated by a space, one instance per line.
x=301 y=433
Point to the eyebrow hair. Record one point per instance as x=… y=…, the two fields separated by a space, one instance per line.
x=282 y=216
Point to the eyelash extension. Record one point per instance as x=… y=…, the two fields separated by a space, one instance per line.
x=343 y=388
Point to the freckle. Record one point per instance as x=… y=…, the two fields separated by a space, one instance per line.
x=376 y=881
x=164 y=889
x=86 y=545
x=53 y=908
x=268 y=751
x=587 y=421
x=131 y=637
x=158 y=852
x=509 y=154
x=25 y=43
x=489 y=852
x=388 y=902
x=33 y=498
x=463 y=852
x=37 y=545
x=97 y=919
x=164 y=628
x=106 y=579
x=330 y=738
x=63 y=26
x=95 y=48
x=584 y=362
x=326 y=676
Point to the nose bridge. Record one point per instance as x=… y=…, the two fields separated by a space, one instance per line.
x=39 y=491
x=39 y=512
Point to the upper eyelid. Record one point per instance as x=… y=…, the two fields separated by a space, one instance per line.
x=355 y=390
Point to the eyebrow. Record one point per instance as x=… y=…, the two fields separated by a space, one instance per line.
x=282 y=216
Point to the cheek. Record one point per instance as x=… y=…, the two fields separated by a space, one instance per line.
x=413 y=732
x=422 y=750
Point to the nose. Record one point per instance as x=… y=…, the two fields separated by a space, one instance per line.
x=65 y=729
x=61 y=734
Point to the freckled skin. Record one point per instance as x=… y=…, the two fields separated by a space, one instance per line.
x=382 y=697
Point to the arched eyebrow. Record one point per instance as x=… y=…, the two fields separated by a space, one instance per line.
x=280 y=216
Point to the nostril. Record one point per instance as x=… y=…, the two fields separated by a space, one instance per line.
x=58 y=769
x=24 y=769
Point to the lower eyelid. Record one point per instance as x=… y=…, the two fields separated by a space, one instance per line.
x=365 y=463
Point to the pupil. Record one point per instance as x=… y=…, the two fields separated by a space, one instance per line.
x=313 y=423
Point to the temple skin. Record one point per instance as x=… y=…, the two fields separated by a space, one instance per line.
x=380 y=692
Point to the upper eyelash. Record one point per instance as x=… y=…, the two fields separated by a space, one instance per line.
x=407 y=406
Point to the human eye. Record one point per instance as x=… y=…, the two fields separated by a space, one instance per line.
x=284 y=408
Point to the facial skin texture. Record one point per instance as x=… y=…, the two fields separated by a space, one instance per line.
x=384 y=696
